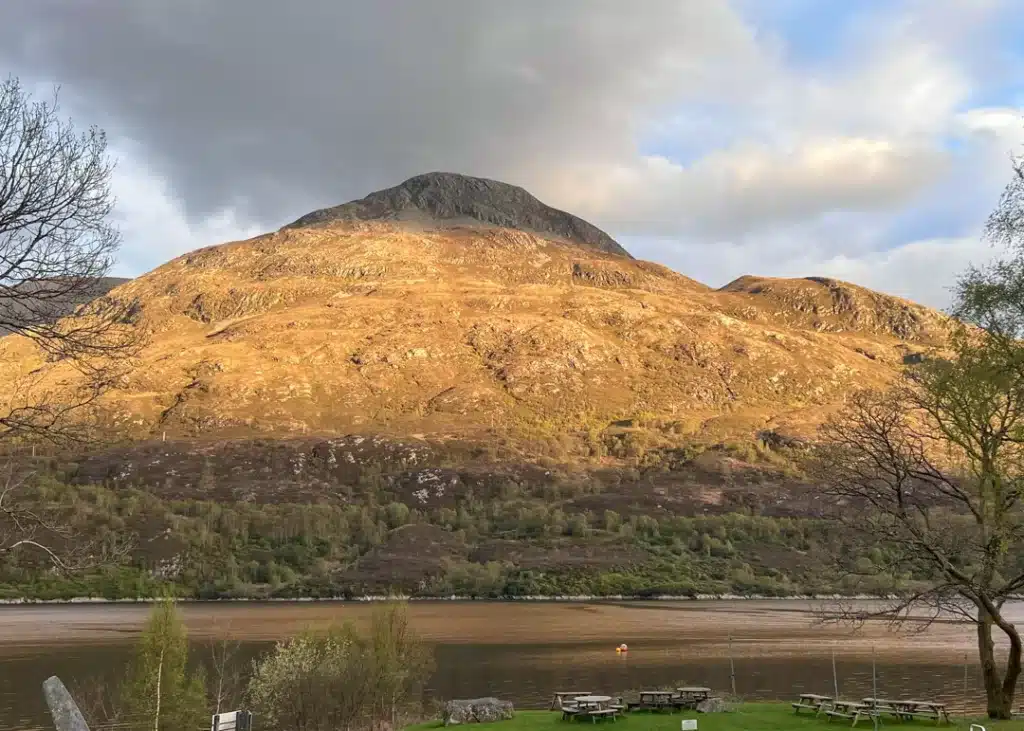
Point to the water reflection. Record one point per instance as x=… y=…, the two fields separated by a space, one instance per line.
x=527 y=674
x=486 y=649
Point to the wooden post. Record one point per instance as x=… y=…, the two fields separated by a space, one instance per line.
x=874 y=686
x=732 y=668
x=965 y=685
x=835 y=677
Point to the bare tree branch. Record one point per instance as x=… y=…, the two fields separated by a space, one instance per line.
x=28 y=523
x=932 y=469
x=56 y=247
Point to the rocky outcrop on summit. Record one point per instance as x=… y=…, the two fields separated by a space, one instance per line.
x=440 y=200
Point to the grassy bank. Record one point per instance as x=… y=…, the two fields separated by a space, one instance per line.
x=748 y=717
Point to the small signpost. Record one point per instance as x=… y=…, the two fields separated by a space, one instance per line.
x=689 y=724
x=232 y=721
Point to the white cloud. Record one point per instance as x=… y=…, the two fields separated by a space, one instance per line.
x=750 y=187
x=154 y=223
x=923 y=271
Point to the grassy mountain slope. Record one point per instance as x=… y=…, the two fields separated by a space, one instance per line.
x=358 y=404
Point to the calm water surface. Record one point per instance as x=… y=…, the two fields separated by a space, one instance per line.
x=523 y=652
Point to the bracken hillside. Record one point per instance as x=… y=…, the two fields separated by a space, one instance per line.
x=454 y=334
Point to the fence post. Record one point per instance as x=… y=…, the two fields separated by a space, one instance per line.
x=874 y=686
x=835 y=676
x=732 y=668
x=965 y=685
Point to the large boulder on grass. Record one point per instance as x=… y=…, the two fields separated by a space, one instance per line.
x=478 y=710
x=714 y=705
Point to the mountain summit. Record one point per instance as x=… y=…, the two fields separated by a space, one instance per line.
x=446 y=200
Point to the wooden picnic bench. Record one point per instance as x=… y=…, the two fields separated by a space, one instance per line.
x=850 y=709
x=598 y=714
x=690 y=696
x=909 y=709
x=654 y=700
x=594 y=707
x=812 y=702
x=885 y=705
x=558 y=701
x=906 y=710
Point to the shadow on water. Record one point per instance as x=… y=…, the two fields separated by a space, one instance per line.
x=527 y=674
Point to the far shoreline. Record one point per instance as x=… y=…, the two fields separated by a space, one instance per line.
x=371 y=599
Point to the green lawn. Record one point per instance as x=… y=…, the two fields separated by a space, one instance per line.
x=749 y=717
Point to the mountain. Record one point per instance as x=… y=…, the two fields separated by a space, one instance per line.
x=21 y=309
x=440 y=200
x=453 y=349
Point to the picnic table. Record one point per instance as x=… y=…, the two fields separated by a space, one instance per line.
x=558 y=701
x=850 y=709
x=594 y=707
x=691 y=696
x=812 y=702
x=905 y=709
x=654 y=700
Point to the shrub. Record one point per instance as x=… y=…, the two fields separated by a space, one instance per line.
x=339 y=679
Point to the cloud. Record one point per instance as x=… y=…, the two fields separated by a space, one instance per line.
x=744 y=189
x=924 y=271
x=718 y=137
x=276 y=108
x=153 y=221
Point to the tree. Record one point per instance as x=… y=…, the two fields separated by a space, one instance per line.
x=310 y=682
x=160 y=691
x=933 y=468
x=29 y=520
x=226 y=685
x=397 y=663
x=56 y=246
x=340 y=679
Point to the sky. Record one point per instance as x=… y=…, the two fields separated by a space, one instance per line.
x=866 y=140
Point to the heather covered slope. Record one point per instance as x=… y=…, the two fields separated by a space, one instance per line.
x=366 y=325
x=375 y=398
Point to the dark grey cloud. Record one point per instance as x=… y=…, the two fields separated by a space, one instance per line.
x=236 y=116
x=275 y=108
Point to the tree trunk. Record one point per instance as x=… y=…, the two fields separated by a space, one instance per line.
x=159 y=680
x=999 y=691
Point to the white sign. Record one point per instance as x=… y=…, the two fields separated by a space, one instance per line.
x=231 y=721
x=690 y=724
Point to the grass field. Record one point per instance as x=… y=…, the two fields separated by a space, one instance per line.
x=749 y=717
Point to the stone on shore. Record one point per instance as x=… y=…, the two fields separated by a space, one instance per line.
x=477 y=710
x=66 y=716
x=714 y=705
